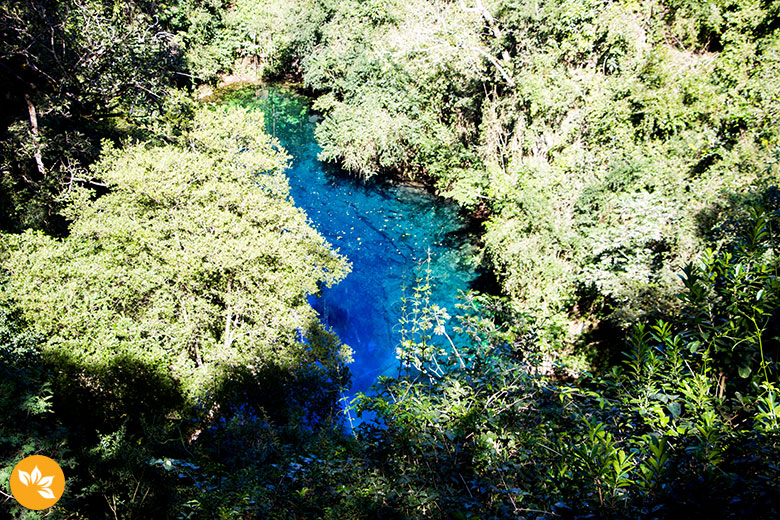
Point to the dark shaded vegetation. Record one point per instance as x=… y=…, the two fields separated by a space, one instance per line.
x=155 y=333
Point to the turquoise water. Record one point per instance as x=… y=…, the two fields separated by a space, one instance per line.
x=385 y=230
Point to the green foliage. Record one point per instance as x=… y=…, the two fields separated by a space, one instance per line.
x=179 y=295
x=194 y=262
x=592 y=136
x=26 y=401
x=733 y=299
x=606 y=144
x=243 y=36
x=672 y=431
x=388 y=107
x=74 y=71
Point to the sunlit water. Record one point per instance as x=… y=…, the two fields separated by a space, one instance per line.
x=385 y=230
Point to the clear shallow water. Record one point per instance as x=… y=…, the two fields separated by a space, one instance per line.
x=385 y=230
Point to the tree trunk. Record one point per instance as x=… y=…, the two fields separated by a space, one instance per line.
x=228 y=336
x=36 y=142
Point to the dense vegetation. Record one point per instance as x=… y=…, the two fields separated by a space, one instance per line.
x=155 y=332
x=603 y=141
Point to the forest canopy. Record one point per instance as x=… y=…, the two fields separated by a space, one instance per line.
x=619 y=160
x=194 y=262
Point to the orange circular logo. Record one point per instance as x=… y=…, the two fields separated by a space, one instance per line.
x=37 y=482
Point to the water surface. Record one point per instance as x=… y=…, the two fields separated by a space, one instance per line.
x=385 y=230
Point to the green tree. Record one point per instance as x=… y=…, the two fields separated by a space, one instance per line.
x=72 y=72
x=194 y=262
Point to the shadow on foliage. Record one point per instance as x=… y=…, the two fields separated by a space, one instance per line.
x=125 y=392
x=298 y=400
x=729 y=218
x=101 y=424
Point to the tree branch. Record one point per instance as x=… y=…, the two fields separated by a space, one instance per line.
x=496 y=64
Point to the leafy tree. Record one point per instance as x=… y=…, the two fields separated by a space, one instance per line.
x=74 y=72
x=178 y=294
x=592 y=137
x=195 y=261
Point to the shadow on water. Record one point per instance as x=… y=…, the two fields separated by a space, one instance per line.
x=385 y=230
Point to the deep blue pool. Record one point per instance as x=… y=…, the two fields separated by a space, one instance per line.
x=385 y=230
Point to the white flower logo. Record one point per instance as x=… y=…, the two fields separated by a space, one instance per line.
x=37 y=479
